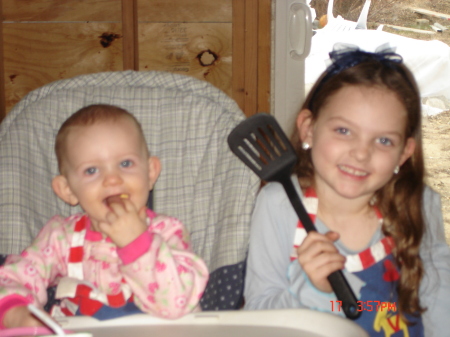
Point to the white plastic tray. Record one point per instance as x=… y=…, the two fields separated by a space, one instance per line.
x=242 y=323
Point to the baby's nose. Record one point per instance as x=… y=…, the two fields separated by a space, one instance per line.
x=113 y=178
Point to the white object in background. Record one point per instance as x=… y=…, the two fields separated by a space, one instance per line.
x=236 y=323
x=292 y=43
x=339 y=24
x=441 y=27
x=429 y=61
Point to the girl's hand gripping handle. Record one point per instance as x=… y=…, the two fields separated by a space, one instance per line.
x=337 y=280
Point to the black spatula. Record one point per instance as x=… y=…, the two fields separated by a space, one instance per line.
x=262 y=145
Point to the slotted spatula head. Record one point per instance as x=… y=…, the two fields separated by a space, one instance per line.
x=262 y=145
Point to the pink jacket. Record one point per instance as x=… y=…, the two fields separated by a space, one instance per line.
x=158 y=270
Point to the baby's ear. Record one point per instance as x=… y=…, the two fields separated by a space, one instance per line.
x=154 y=169
x=62 y=189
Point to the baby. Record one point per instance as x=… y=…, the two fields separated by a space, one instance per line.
x=116 y=258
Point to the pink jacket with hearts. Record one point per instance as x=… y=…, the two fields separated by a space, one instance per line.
x=158 y=270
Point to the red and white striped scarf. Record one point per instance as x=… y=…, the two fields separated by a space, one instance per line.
x=355 y=262
x=81 y=294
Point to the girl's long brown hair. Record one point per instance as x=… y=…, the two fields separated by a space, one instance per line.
x=400 y=200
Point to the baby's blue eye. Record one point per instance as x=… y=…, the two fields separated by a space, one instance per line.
x=384 y=141
x=126 y=163
x=90 y=170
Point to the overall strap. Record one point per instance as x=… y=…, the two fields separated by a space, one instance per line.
x=355 y=262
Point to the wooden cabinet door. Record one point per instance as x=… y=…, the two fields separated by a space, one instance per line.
x=225 y=42
x=44 y=41
x=187 y=37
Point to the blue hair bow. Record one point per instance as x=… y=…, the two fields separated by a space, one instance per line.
x=345 y=56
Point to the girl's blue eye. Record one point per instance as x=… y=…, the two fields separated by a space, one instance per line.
x=126 y=163
x=385 y=141
x=343 y=131
x=90 y=170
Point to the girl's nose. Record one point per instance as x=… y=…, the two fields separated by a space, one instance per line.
x=361 y=150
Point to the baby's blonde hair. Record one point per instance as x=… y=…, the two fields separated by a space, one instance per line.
x=87 y=116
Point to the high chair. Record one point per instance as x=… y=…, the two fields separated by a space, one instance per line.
x=186 y=122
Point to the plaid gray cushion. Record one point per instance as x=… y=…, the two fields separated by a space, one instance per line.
x=186 y=122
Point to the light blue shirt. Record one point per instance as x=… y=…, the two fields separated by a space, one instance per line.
x=273 y=282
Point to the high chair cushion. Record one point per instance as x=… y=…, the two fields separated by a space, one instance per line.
x=186 y=122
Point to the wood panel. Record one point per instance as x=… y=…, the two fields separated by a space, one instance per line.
x=225 y=42
x=251 y=74
x=185 y=11
x=57 y=10
x=264 y=55
x=130 y=35
x=2 y=74
x=47 y=40
x=190 y=37
x=251 y=57
x=38 y=53
x=201 y=50
x=238 y=66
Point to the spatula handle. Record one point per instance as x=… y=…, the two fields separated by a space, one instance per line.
x=337 y=280
x=345 y=294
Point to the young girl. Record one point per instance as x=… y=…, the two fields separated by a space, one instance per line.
x=116 y=258
x=360 y=173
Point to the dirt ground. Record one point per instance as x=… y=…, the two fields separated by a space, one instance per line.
x=436 y=129
x=436 y=136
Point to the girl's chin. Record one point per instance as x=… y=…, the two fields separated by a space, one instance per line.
x=353 y=195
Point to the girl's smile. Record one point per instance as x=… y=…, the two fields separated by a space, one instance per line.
x=352 y=172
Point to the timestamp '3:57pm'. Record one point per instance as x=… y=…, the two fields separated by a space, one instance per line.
x=367 y=306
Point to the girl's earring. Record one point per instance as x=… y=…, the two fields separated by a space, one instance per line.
x=397 y=169
x=305 y=146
